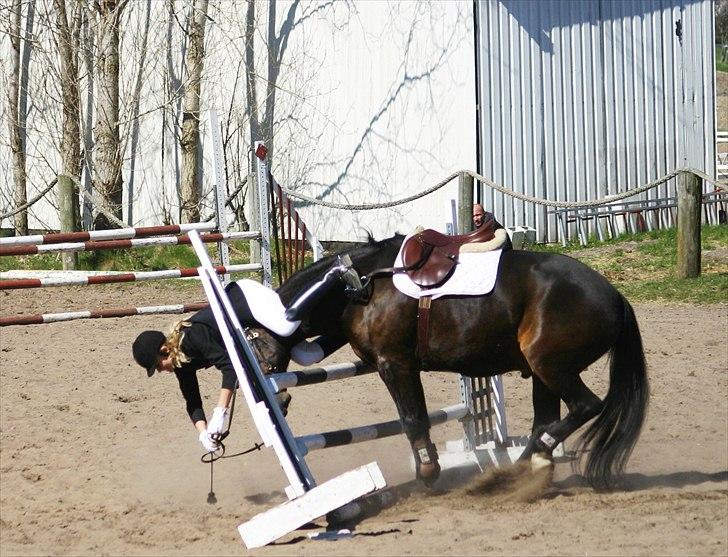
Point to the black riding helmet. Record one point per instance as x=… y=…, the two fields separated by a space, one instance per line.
x=146 y=350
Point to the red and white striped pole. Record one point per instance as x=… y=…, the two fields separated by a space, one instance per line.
x=123 y=244
x=115 y=234
x=41 y=318
x=19 y=283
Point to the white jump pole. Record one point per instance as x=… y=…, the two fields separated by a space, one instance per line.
x=307 y=501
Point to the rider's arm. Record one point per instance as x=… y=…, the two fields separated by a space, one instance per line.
x=202 y=344
x=190 y=388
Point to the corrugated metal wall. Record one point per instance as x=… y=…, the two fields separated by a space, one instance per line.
x=578 y=100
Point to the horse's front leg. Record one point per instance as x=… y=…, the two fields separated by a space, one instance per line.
x=546 y=411
x=405 y=387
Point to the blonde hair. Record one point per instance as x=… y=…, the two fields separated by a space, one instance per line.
x=173 y=344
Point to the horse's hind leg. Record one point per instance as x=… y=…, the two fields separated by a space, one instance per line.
x=582 y=405
x=405 y=386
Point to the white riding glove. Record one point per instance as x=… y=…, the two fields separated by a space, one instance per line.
x=208 y=443
x=217 y=421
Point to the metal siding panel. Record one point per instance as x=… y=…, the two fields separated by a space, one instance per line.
x=670 y=72
x=511 y=174
x=549 y=121
x=709 y=89
x=699 y=29
x=588 y=100
x=572 y=103
x=610 y=104
x=658 y=96
x=693 y=83
x=523 y=162
x=638 y=69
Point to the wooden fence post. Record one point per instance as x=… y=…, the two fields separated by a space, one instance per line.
x=465 y=203
x=689 y=199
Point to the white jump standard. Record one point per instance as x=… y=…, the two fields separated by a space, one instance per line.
x=307 y=501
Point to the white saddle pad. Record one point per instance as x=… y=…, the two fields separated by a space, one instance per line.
x=474 y=275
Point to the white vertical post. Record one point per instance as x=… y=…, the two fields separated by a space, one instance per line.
x=267 y=415
x=220 y=187
x=466 y=397
x=262 y=185
x=499 y=409
x=318 y=249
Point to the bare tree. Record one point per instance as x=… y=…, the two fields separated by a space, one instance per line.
x=136 y=97
x=68 y=46
x=17 y=102
x=87 y=52
x=190 y=138
x=108 y=156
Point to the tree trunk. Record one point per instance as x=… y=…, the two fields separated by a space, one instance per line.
x=189 y=140
x=87 y=49
x=16 y=129
x=68 y=206
x=107 y=169
x=135 y=124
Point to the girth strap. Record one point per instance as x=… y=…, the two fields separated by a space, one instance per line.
x=423 y=326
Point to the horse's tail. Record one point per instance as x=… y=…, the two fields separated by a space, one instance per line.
x=613 y=434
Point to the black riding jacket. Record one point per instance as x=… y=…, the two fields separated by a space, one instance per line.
x=203 y=345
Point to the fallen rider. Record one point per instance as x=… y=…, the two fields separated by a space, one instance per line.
x=196 y=343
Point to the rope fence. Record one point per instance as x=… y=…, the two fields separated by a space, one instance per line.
x=496 y=186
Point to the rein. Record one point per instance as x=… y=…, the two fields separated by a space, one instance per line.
x=386 y=271
x=219 y=453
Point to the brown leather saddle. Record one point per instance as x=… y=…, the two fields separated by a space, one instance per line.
x=429 y=257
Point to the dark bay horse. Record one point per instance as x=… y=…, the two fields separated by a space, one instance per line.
x=548 y=317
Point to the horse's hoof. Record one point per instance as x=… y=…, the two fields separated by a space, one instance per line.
x=284 y=399
x=539 y=461
x=428 y=473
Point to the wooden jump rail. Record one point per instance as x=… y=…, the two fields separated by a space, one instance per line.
x=113 y=239
x=19 y=283
x=124 y=244
x=380 y=430
x=114 y=234
x=43 y=318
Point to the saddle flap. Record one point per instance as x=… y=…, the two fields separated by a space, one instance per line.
x=430 y=256
x=427 y=265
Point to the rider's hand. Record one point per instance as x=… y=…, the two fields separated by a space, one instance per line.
x=207 y=442
x=217 y=421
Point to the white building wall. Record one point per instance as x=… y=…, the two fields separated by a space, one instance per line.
x=375 y=103
x=400 y=116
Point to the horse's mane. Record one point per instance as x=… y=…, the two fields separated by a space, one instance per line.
x=371 y=249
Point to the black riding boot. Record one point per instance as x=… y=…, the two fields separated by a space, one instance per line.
x=303 y=303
